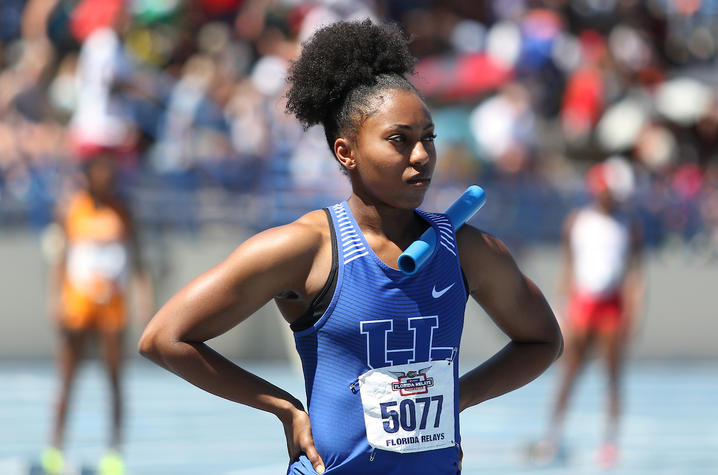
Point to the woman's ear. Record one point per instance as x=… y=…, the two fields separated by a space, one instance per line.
x=344 y=153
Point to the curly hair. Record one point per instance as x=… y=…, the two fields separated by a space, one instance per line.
x=341 y=70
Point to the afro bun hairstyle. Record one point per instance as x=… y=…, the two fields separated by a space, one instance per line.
x=340 y=69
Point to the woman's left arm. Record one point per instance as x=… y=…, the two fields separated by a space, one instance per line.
x=517 y=307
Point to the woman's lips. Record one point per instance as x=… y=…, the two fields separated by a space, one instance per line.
x=419 y=181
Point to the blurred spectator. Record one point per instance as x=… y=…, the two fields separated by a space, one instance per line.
x=101 y=119
x=174 y=149
x=583 y=99
x=504 y=127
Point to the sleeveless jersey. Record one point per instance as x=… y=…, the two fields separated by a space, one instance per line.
x=599 y=246
x=97 y=255
x=380 y=365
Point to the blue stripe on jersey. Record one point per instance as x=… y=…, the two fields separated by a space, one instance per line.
x=378 y=317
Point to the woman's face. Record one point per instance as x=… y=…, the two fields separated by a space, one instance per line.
x=394 y=151
x=101 y=177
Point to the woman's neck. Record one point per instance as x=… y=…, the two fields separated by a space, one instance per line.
x=400 y=226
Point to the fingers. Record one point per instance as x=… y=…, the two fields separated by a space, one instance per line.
x=300 y=441
x=314 y=457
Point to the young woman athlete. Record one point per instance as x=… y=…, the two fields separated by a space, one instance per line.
x=379 y=349
x=602 y=279
x=89 y=296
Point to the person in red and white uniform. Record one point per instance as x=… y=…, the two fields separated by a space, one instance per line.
x=602 y=280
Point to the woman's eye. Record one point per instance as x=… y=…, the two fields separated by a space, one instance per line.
x=397 y=139
x=429 y=138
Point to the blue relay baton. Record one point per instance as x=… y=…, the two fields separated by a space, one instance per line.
x=460 y=211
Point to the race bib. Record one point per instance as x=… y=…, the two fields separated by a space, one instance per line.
x=409 y=407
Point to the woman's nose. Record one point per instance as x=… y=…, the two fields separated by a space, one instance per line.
x=419 y=154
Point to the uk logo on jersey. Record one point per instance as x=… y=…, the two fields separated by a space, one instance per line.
x=394 y=342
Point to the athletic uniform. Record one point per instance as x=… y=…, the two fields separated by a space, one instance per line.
x=599 y=247
x=380 y=358
x=93 y=293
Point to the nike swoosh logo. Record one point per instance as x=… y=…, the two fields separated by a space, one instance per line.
x=441 y=292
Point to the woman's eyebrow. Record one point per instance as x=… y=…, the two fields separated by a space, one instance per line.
x=408 y=127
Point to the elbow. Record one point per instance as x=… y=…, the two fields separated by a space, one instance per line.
x=160 y=346
x=553 y=337
x=146 y=346
x=557 y=342
x=559 y=346
x=149 y=345
x=551 y=341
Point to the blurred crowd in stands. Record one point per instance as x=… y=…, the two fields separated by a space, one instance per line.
x=526 y=95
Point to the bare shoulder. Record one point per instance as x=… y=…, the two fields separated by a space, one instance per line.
x=308 y=233
x=297 y=241
x=477 y=244
x=289 y=260
x=314 y=223
x=484 y=258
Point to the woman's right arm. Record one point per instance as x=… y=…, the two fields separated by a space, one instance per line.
x=268 y=264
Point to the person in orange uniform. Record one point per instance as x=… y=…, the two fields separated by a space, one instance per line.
x=88 y=294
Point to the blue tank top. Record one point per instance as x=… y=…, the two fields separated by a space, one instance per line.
x=382 y=323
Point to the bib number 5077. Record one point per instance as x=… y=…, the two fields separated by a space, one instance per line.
x=406 y=415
